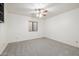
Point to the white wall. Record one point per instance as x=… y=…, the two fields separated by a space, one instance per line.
x=3 y=38
x=18 y=28
x=64 y=27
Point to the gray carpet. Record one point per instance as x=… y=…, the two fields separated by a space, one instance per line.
x=40 y=47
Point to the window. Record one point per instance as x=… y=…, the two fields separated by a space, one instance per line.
x=33 y=26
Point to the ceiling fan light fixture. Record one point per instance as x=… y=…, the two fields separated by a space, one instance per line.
x=39 y=15
x=40 y=12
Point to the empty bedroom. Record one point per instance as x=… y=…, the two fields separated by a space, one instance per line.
x=39 y=29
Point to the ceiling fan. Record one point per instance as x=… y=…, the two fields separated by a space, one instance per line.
x=40 y=12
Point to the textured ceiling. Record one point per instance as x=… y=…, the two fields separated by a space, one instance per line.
x=28 y=8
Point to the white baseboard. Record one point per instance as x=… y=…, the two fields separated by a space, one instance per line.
x=25 y=40
x=65 y=42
